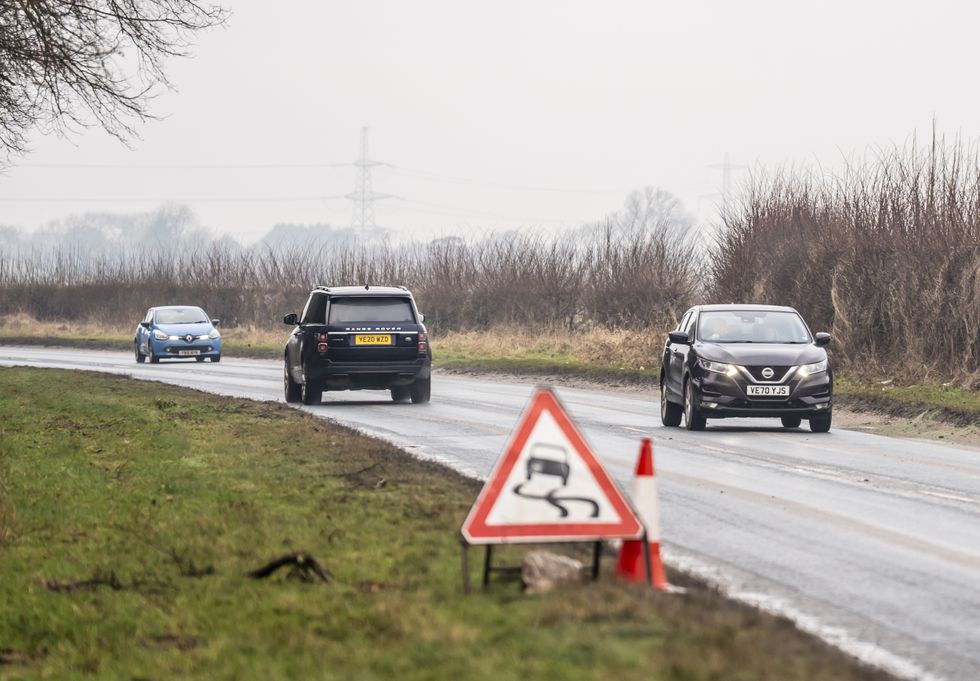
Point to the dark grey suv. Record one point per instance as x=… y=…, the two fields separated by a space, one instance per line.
x=358 y=338
x=727 y=361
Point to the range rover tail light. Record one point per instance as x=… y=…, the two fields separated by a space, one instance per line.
x=423 y=342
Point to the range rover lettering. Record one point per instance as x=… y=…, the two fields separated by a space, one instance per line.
x=726 y=361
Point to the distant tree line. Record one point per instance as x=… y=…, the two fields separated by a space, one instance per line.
x=886 y=256
x=637 y=267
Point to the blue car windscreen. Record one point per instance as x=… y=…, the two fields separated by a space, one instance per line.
x=182 y=315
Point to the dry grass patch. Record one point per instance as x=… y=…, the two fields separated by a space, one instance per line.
x=592 y=352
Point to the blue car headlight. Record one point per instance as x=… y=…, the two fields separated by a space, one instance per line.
x=214 y=335
x=160 y=335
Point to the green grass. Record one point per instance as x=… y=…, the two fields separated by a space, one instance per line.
x=231 y=346
x=944 y=400
x=171 y=496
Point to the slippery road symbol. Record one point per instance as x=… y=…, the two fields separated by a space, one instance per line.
x=552 y=460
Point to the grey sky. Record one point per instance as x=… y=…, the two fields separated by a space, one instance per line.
x=596 y=98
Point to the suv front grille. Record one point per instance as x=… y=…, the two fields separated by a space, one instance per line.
x=778 y=373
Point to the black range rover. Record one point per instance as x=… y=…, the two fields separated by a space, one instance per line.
x=745 y=360
x=357 y=338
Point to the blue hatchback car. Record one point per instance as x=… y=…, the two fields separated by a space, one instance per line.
x=178 y=332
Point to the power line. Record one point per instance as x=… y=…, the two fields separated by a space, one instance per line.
x=399 y=170
x=180 y=166
x=455 y=179
x=441 y=209
x=177 y=199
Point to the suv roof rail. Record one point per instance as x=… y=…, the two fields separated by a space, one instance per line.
x=403 y=288
x=321 y=287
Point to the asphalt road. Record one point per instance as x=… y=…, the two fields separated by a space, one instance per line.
x=871 y=542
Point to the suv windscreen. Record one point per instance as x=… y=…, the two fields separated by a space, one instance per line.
x=345 y=310
x=182 y=315
x=752 y=326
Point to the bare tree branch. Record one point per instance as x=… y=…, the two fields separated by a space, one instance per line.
x=69 y=63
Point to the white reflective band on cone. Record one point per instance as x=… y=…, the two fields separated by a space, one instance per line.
x=644 y=497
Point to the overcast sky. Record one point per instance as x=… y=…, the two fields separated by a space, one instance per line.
x=504 y=114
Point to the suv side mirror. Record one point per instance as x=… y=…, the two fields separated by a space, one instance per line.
x=145 y=325
x=215 y=322
x=421 y=317
x=679 y=337
x=821 y=339
x=292 y=319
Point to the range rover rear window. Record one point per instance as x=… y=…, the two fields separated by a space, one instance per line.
x=345 y=310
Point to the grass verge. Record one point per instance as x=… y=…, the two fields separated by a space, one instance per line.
x=22 y=329
x=129 y=519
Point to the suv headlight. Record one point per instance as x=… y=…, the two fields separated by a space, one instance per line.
x=214 y=335
x=718 y=367
x=160 y=335
x=811 y=369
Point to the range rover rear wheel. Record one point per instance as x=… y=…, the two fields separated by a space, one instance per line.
x=292 y=390
x=421 y=391
x=312 y=393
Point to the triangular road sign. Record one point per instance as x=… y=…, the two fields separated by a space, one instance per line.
x=549 y=486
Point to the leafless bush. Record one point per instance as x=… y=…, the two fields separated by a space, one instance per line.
x=886 y=256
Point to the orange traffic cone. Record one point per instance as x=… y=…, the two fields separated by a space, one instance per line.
x=643 y=494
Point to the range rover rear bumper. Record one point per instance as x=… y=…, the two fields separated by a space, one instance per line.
x=369 y=375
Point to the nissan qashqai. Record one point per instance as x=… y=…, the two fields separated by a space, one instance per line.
x=726 y=361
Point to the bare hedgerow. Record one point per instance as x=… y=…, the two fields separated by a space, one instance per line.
x=886 y=256
x=635 y=270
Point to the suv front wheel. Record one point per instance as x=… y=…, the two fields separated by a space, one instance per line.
x=693 y=420
x=670 y=413
x=820 y=424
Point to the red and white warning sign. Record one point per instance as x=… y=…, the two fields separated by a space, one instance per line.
x=549 y=486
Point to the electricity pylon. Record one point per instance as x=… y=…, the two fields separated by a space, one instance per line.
x=364 y=195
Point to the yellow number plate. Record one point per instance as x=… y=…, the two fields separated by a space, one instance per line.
x=382 y=339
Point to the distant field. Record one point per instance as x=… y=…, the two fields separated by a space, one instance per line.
x=129 y=521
